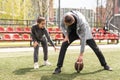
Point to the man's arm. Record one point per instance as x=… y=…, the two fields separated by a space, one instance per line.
x=63 y=28
x=82 y=32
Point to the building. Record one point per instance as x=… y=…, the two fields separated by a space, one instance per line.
x=117 y=6
x=51 y=10
x=112 y=7
x=88 y=13
x=100 y=16
x=112 y=14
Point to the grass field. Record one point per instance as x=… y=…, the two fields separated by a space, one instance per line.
x=15 y=44
x=27 y=43
x=19 y=66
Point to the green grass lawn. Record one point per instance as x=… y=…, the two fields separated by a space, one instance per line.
x=27 y=43
x=19 y=66
x=15 y=44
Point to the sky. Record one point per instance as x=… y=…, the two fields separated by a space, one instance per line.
x=89 y=4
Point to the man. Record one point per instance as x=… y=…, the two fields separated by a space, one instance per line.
x=75 y=26
x=39 y=35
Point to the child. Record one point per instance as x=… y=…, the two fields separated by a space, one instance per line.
x=40 y=35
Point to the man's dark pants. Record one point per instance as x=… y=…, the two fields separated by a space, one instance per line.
x=90 y=42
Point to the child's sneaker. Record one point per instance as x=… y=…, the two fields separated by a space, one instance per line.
x=36 y=66
x=46 y=63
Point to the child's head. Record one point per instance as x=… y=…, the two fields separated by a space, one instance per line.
x=41 y=22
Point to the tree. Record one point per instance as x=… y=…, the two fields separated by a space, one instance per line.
x=17 y=9
x=43 y=7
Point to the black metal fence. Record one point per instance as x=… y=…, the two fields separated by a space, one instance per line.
x=29 y=23
x=15 y=22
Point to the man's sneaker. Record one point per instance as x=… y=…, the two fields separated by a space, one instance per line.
x=57 y=71
x=36 y=66
x=46 y=63
x=107 y=68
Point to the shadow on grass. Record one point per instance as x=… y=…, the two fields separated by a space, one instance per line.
x=64 y=76
x=23 y=71
x=100 y=70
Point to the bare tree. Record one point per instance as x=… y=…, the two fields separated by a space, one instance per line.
x=43 y=7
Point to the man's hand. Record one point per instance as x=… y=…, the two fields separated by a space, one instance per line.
x=35 y=44
x=80 y=58
x=66 y=39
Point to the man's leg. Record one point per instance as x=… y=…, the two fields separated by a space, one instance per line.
x=61 y=57
x=63 y=52
x=98 y=52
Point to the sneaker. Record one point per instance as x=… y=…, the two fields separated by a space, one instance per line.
x=46 y=63
x=107 y=68
x=36 y=66
x=57 y=71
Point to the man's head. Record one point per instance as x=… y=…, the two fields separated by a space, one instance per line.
x=41 y=22
x=69 y=20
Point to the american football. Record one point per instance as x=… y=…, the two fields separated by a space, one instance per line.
x=78 y=66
